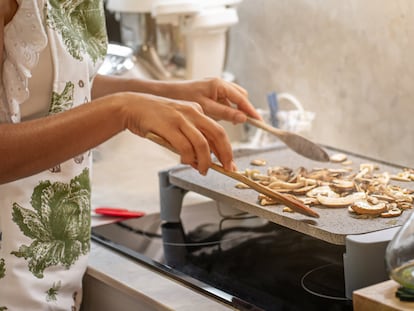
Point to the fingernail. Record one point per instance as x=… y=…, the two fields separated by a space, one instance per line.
x=240 y=118
x=233 y=166
x=229 y=166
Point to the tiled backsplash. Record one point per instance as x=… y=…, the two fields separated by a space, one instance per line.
x=349 y=61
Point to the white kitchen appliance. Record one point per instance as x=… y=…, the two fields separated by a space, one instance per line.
x=177 y=39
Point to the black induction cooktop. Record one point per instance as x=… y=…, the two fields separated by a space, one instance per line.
x=239 y=259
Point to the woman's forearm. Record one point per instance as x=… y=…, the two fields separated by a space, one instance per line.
x=104 y=85
x=219 y=99
x=30 y=147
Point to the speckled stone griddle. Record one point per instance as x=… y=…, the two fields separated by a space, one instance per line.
x=333 y=225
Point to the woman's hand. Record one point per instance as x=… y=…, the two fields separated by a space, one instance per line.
x=221 y=100
x=182 y=124
x=190 y=132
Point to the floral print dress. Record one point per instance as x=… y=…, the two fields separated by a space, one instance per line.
x=45 y=218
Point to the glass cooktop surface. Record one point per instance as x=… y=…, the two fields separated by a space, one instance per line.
x=239 y=259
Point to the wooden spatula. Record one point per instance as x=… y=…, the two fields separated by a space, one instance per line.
x=294 y=141
x=289 y=201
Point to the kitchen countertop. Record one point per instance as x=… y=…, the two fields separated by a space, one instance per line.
x=125 y=175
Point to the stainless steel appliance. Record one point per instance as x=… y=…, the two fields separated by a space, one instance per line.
x=257 y=257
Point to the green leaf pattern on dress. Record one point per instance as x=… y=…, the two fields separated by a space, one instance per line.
x=51 y=293
x=2 y=268
x=2 y=274
x=64 y=101
x=81 y=23
x=58 y=224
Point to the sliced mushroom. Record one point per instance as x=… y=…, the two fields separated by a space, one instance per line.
x=241 y=185
x=391 y=205
x=258 y=162
x=402 y=176
x=371 y=167
x=404 y=205
x=260 y=177
x=394 y=212
x=310 y=181
x=249 y=173
x=367 y=193
x=309 y=201
x=286 y=185
x=322 y=190
x=338 y=157
x=340 y=201
x=383 y=178
x=365 y=207
x=339 y=171
x=398 y=194
x=339 y=185
x=264 y=200
x=303 y=190
x=280 y=172
x=382 y=197
x=321 y=174
x=365 y=169
x=300 y=172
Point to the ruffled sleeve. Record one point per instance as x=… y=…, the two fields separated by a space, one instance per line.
x=24 y=38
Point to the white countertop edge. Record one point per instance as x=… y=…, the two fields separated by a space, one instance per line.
x=138 y=281
x=122 y=287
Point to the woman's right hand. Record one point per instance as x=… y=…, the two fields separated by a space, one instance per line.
x=182 y=124
x=32 y=146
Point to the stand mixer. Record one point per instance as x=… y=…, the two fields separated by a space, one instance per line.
x=177 y=39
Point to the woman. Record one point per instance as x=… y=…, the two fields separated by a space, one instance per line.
x=53 y=111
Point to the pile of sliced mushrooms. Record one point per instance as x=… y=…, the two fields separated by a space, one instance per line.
x=366 y=193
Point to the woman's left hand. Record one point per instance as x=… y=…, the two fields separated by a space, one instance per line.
x=220 y=99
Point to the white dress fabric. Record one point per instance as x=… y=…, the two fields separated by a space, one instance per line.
x=45 y=218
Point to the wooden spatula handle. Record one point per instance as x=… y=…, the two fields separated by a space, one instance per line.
x=289 y=201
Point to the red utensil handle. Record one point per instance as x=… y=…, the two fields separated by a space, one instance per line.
x=119 y=212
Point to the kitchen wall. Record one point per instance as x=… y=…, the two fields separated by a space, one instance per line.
x=349 y=61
